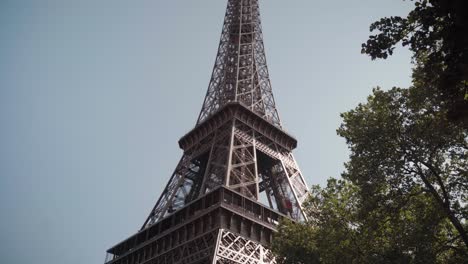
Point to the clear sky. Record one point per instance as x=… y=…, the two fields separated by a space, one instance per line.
x=94 y=95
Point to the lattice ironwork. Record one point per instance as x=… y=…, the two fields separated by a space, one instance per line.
x=233 y=248
x=242 y=157
x=240 y=72
x=237 y=176
x=199 y=249
x=222 y=226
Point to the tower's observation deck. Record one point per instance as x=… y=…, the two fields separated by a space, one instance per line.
x=190 y=234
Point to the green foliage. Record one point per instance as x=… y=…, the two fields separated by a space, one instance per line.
x=296 y=244
x=343 y=231
x=401 y=142
x=436 y=31
x=334 y=211
x=403 y=196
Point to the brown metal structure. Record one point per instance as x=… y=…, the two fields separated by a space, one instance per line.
x=237 y=176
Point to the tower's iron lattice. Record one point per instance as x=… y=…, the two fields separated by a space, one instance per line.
x=237 y=176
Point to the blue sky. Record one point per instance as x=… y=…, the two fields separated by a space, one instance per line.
x=95 y=94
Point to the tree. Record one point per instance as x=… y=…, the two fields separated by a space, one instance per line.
x=330 y=236
x=436 y=31
x=296 y=244
x=342 y=230
x=401 y=142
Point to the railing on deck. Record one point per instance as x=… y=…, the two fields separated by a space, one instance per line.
x=223 y=196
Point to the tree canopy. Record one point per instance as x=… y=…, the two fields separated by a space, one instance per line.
x=403 y=196
x=345 y=231
x=436 y=31
x=400 y=141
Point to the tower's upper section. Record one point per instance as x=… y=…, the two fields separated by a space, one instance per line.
x=240 y=72
x=238 y=142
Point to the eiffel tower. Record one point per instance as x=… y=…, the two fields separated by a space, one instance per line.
x=237 y=177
